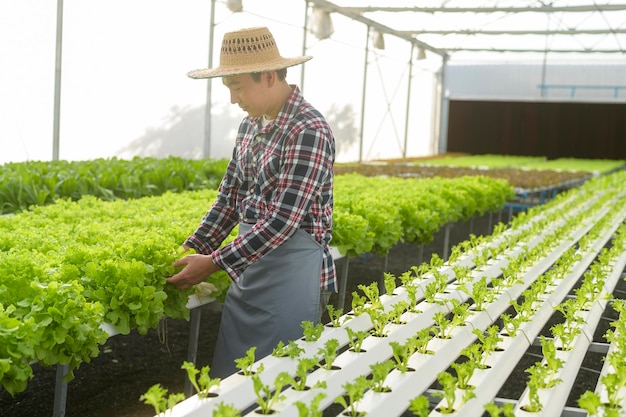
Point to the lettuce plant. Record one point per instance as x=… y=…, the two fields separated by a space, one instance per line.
x=448 y=392
x=403 y=352
x=420 y=406
x=246 y=362
x=226 y=410
x=422 y=338
x=358 y=304
x=312 y=410
x=355 y=391
x=506 y=410
x=356 y=338
x=380 y=371
x=329 y=353
x=390 y=283
x=379 y=321
x=372 y=293
x=267 y=396
x=312 y=332
x=305 y=365
x=204 y=382
x=335 y=315
x=157 y=397
x=396 y=312
x=292 y=350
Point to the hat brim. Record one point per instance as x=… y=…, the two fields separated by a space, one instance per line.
x=247 y=69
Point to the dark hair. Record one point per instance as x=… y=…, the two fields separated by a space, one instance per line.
x=281 y=73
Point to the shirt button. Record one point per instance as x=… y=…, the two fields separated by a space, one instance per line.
x=251 y=190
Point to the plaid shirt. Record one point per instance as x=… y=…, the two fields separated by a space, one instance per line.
x=280 y=179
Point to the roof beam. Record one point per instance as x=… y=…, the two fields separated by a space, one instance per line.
x=514 y=32
x=541 y=9
x=333 y=8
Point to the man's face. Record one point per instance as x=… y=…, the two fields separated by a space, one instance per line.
x=248 y=94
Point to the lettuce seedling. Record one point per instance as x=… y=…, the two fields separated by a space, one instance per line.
x=268 y=396
x=312 y=332
x=329 y=353
x=380 y=371
x=396 y=312
x=420 y=406
x=354 y=391
x=505 y=411
x=372 y=293
x=390 y=283
x=448 y=393
x=157 y=397
x=226 y=410
x=245 y=363
x=422 y=338
x=464 y=372
x=462 y=273
x=358 y=304
x=591 y=403
x=460 y=312
x=444 y=326
x=202 y=384
x=302 y=372
x=314 y=409
x=488 y=343
x=356 y=338
x=379 y=320
x=335 y=315
x=292 y=350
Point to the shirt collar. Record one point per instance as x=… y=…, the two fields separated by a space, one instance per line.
x=286 y=113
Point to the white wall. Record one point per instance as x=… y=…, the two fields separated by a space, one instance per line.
x=522 y=81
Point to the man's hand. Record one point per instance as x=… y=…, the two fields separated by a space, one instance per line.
x=197 y=269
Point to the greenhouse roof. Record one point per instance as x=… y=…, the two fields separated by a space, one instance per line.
x=496 y=27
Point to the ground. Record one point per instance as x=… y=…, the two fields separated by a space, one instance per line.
x=110 y=386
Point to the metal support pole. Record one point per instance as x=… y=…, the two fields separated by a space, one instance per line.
x=192 y=350
x=420 y=254
x=446 y=241
x=408 y=104
x=209 y=86
x=367 y=49
x=304 y=39
x=443 y=111
x=343 y=283
x=56 y=127
x=60 y=391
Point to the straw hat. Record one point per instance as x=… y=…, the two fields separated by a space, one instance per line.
x=248 y=50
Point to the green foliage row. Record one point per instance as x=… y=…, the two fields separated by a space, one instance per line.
x=484 y=160
x=25 y=184
x=597 y=166
x=374 y=213
x=526 y=162
x=107 y=262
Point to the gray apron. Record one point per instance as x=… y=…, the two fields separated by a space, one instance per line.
x=268 y=303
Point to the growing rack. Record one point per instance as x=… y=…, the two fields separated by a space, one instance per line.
x=583 y=225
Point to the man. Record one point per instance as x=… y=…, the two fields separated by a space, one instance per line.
x=278 y=188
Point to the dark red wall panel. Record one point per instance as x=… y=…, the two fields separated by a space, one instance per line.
x=576 y=130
